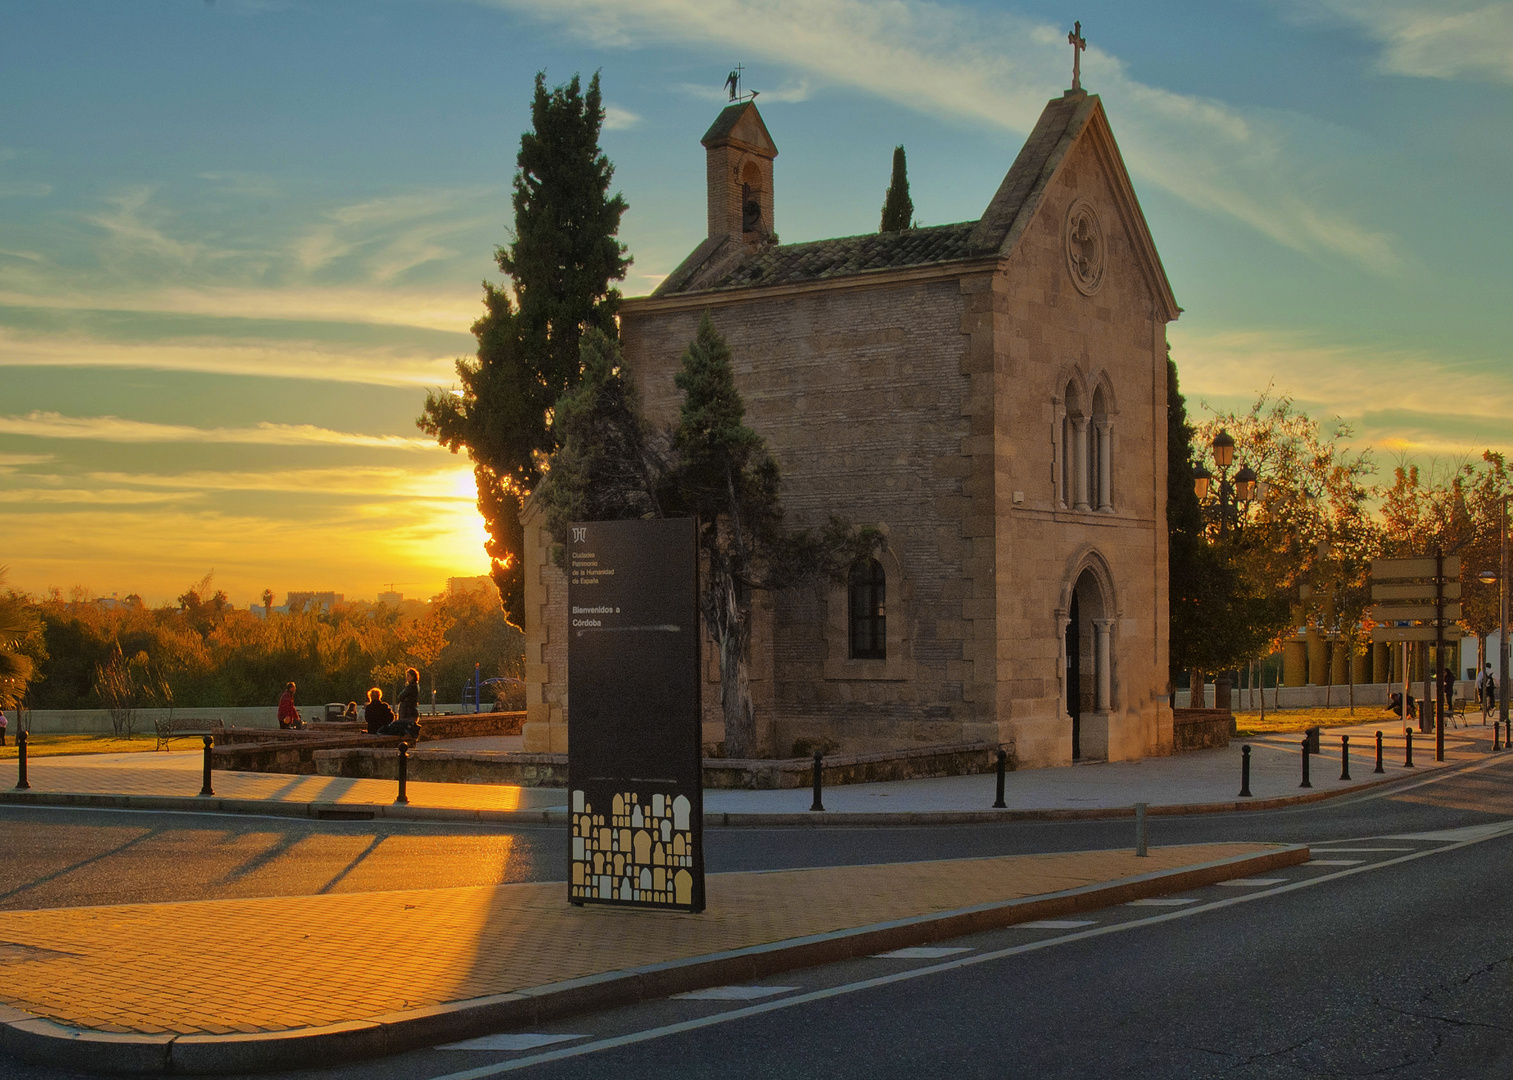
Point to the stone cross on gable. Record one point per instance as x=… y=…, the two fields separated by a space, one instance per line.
x=1078 y=43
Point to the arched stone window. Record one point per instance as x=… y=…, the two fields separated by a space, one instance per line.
x=1074 y=452
x=868 y=611
x=751 y=198
x=1100 y=457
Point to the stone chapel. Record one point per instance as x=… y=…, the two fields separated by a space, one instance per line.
x=992 y=396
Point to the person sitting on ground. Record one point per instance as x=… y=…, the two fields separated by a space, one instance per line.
x=350 y=716
x=376 y=713
x=1396 y=704
x=288 y=715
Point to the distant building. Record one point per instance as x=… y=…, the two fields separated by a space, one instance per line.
x=392 y=599
x=312 y=601
x=456 y=586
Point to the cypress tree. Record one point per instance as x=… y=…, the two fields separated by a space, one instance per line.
x=561 y=262
x=898 y=208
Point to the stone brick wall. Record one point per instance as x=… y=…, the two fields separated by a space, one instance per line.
x=859 y=394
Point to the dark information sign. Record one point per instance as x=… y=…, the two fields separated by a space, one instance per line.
x=634 y=761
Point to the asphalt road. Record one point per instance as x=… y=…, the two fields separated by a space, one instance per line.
x=1398 y=961
x=64 y=858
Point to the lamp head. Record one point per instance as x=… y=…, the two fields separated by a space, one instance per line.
x=1224 y=449
x=1245 y=483
x=1201 y=478
x=1487 y=577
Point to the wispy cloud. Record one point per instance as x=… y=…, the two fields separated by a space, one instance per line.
x=618 y=119
x=51 y=425
x=90 y=496
x=269 y=358
x=1434 y=39
x=391 y=235
x=31 y=189
x=997 y=69
x=445 y=485
x=1466 y=412
x=432 y=310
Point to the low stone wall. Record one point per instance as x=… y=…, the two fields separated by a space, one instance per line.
x=293 y=756
x=243 y=736
x=470 y=725
x=1316 y=697
x=962 y=759
x=446 y=766
x=97 y=721
x=1201 y=729
x=550 y=770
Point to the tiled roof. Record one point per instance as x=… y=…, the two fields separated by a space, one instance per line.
x=792 y=263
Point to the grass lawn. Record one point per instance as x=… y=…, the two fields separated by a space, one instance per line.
x=48 y=745
x=1249 y=722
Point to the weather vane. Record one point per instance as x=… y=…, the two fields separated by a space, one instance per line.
x=1078 y=43
x=733 y=84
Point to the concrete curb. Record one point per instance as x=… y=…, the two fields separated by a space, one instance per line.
x=332 y=811
x=45 y=1042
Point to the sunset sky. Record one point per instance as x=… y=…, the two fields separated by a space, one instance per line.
x=239 y=239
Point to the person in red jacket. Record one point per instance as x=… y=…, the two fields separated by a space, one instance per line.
x=288 y=715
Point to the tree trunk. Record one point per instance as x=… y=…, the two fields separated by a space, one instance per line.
x=731 y=627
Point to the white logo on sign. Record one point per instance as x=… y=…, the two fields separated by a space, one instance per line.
x=580 y=536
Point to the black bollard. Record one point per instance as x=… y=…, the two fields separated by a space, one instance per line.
x=818 y=805
x=1140 y=829
x=404 y=774
x=1344 y=757
x=1003 y=759
x=21 y=784
x=205 y=788
x=1306 y=782
x=1408 y=754
x=1496 y=731
x=1245 y=772
x=1379 y=767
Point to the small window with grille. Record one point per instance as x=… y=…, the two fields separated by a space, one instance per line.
x=868 y=593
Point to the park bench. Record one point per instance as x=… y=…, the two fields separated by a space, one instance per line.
x=185 y=726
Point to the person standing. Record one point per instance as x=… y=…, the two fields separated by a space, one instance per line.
x=288 y=715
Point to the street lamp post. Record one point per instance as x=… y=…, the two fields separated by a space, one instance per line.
x=1502 y=619
x=1229 y=497
x=1487 y=577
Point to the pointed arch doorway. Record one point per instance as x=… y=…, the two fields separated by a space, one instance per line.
x=1088 y=656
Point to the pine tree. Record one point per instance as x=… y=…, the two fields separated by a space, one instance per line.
x=563 y=258
x=611 y=464
x=898 y=208
x=726 y=478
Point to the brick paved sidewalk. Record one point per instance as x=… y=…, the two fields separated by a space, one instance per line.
x=223 y=966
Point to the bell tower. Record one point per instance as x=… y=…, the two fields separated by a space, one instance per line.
x=738 y=167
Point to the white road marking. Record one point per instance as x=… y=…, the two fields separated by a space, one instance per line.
x=510 y=1041
x=1470 y=832
x=921 y=952
x=734 y=993
x=1161 y=901
x=1055 y=924
x=1334 y=862
x=1244 y=882
x=1504 y=828
x=1354 y=850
